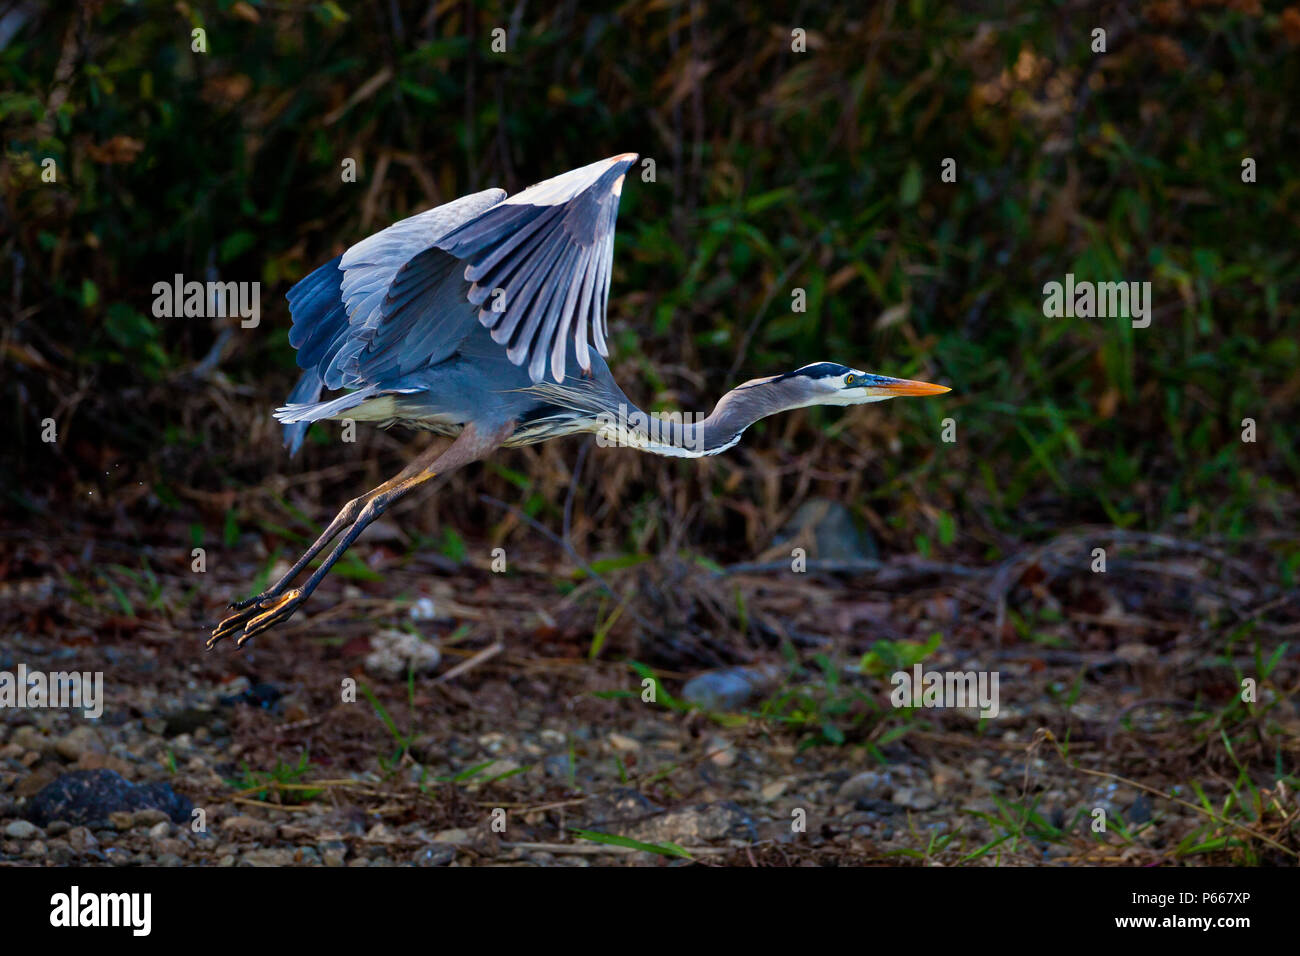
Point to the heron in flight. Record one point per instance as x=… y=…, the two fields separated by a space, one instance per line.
x=484 y=320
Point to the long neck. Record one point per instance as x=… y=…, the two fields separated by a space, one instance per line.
x=682 y=435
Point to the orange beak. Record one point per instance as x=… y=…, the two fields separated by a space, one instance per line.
x=894 y=387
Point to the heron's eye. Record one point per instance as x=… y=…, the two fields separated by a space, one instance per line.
x=849 y=379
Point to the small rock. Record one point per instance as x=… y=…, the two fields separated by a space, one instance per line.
x=829 y=532
x=870 y=785
x=695 y=825
x=423 y=610
x=774 y=789
x=21 y=830
x=267 y=856
x=90 y=796
x=437 y=854
x=29 y=738
x=721 y=751
x=122 y=819
x=394 y=653
x=249 y=827
x=455 y=836
x=732 y=688
x=78 y=742
x=82 y=840
x=150 y=816
x=943 y=776
x=914 y=798
x=622 y=743
x=333 y=852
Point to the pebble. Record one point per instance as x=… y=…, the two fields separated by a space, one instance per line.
x=81 y=839
x=267 y=856
x=914 y=798
x=333 y=852
x=439 y=854
x=78 y=742
x=721 y=751
x=732 y=688
x=250 y=827
x=394 y=653
x=22 y=830
x=870 y=785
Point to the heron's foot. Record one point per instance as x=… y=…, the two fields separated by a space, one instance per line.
x=256 y=618
x=249 y=602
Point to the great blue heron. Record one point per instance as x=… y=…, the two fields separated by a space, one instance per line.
x=476 y=320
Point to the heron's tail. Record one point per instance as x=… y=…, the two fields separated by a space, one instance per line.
x=305 y=394
x=303 y=413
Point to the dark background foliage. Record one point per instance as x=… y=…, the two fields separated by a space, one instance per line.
x=775 y=170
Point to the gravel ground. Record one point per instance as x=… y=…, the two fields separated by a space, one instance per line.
x=265 y=757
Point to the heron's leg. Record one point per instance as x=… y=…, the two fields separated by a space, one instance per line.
x=346 y=516
x=269 y=611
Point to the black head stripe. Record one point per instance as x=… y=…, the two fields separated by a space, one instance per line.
x=819 y=370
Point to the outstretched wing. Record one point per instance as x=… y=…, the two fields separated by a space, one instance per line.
x=534 y=268
x=370 y=295
x=339 y=309
x=540 y=262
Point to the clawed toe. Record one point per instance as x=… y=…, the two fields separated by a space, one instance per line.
x=256 y=615
x=246 y=602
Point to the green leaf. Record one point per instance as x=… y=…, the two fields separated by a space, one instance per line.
x=909 y=191
x=236 y=244
x=665 y=849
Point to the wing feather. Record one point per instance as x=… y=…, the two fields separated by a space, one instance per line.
x=407 y=296
x=550 y=248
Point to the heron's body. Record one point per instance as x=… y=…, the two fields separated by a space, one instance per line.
x=446 y=396
x=484 y=320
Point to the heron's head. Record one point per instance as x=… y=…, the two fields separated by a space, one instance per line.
x=827 y=383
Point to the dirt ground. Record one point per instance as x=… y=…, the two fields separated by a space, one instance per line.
x=1121 y=700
